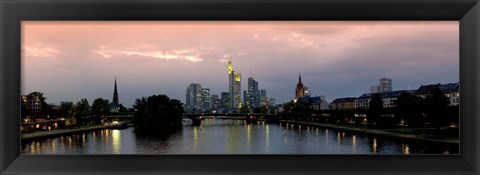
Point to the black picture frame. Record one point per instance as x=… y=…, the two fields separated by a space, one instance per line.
x=12 y=12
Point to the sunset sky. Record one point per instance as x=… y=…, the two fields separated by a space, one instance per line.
x=72 y=60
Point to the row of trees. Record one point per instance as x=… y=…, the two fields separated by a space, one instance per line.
x=80 y=113
x=410 y=110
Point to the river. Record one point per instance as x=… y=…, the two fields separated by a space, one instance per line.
x=216 y=136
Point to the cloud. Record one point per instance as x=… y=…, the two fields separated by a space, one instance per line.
x=185 y=54
x=40 y=50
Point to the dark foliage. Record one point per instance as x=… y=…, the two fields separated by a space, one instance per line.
x=157 y=115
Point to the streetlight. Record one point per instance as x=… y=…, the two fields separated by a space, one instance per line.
x=365 y=123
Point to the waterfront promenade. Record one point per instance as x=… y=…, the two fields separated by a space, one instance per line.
x=408 y=134
x=60 y=132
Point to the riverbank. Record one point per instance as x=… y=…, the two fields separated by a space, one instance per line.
x=394 y=133
x=59 y=132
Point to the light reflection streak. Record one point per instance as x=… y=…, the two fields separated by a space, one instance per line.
x=326 y=136
x=116 y=135
x=375 y=145
x=267 y=139
x=338 y=138
x=354 y=143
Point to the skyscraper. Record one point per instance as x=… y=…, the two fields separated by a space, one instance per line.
x=205 y=101
x=225 y=100
x=216 y=102
x=115 y=100
x=385 y=85
x=234 y=86
x=299 y=90
x=263 y=97
x=253 y=93
x=193 y=97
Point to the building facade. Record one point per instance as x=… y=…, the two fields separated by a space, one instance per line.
x=263 y=98
x=385 y=85
x=389 y=99
x=33 y=103
x=450 y=90
x=205 y=100
x=374 y=89
x=234 y=86
x=193 y=98
x=344 y=103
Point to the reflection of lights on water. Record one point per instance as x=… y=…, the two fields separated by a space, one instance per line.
x=116 y=134
x=405 y=149
x=53 y=145
x=249 y=136
x=83 y=140
x=195 y=136
x=374 y=145
x=326 y=136
x=354 y=143
x=338 y=138
x=267 y=137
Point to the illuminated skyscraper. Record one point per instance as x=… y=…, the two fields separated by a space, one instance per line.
x=253 y=94
x=234 y=86
x=205 y=101
x=193 y=97
x=263 y=97
x=299 y=91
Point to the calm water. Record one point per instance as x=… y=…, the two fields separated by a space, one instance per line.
x=217 y=136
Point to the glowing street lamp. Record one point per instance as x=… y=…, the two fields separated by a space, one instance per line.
x=365 y=123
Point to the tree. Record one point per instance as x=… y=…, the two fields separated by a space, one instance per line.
x=100 y=108
x=297 y=110
x=436 y=107
x=157 y=114
x=82 y=111
x=409 y=109
x=245 y=109
x=260 y=110
x=375 y=109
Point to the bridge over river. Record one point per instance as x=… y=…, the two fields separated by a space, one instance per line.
x=197 y=118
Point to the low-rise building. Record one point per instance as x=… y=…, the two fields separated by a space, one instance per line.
x=450 y=90
x=344 y=103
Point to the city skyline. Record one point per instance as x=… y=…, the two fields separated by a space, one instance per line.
x=61 y=58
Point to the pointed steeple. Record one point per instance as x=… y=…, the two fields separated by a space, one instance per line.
x=115 y=94
x=299 y=78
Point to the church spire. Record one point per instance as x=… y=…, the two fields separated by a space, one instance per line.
x=299 y=78
x=115 y=94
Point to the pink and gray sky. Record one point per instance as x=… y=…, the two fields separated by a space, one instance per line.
x=72 y=60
